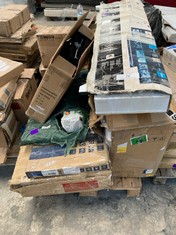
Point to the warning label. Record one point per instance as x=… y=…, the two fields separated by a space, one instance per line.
x=79 y=186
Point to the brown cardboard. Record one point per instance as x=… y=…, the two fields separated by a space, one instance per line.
x=9 y=22
x=9 y=70
x=8 y=131
x=42 y=69
x=49 y=39
x=26 y=88
x=27 y=48
x=139 y=143
x=21 y=10
x=6 y=93
x=70 y=183
x=57 y=79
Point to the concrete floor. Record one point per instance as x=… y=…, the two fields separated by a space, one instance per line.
x=153 y=213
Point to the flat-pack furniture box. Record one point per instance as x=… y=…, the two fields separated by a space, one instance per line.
x=9 y=70
x=21 y=10
x=26 y=88
x=126 y=69
x=49 y=39
x=64 y=66
x=8 y=130
x=45 y=170
x=138 y=143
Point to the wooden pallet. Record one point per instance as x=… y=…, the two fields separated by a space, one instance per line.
x=163 y=174
x=131 y=185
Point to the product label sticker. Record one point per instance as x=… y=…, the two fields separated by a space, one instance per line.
x=148 y=171
x=71 y=170
x=122 y=148
x=50 y=173
x=79 y=186
x=139 y=139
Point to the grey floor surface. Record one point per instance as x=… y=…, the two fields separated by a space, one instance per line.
x=153 y=213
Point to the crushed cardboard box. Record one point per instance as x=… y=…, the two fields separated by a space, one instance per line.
x=59 y=74
x=125 y=60
x=85 y=169
x=9 y=70
x=138 y=143
x=169 y=57
x=49 y=39
x=26 y=88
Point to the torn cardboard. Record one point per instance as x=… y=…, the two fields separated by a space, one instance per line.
x=138 y=143
x=59 y=75
x=49 y=39
x=26 y=88
x=125 y=58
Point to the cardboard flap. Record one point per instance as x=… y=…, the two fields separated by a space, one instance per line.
x=27 y=73
x=72 y=31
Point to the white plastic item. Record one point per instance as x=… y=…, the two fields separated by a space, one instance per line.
x=72 y=121
x=80 y=11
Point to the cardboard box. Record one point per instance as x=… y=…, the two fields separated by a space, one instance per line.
x=77 y=172
x=21 y=10
x=9 y=22
x=9 y=70
x=26 y=88
x=7 y=92
x=169 y=57
x=27 y=48
x=45 y=161
x=168 y=162
x=49 y=39
x=42 y=69
x=8 y=130
x=125 y=61
x=138 y=143
x=59 y=75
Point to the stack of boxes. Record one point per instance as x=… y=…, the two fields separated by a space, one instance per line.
x=131 y=90
x=17 y=41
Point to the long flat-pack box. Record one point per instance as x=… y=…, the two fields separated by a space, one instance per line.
x=138 y=143
x=9 y=70
x=126 y=66
x=63 y=68
x=21 y=10
x=86 y=168
x=9 y=22
x=26 y=88
x=8 y=130
x=49 y=39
